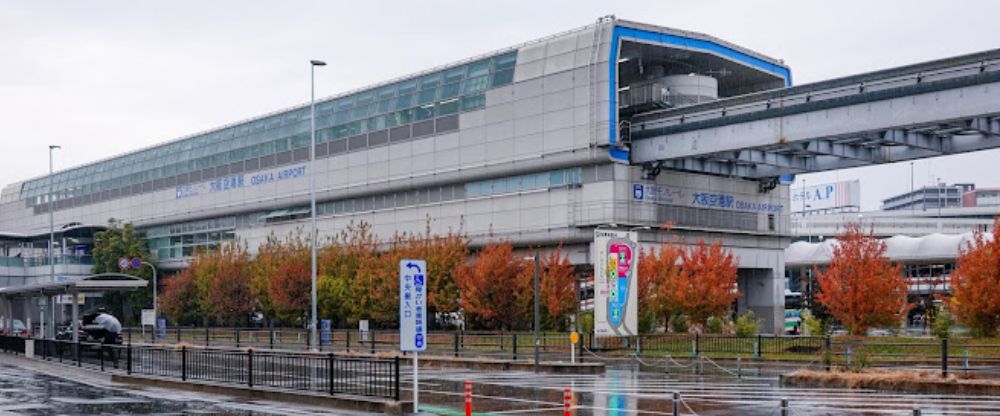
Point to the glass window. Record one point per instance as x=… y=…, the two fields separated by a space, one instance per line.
x=473 y=102
x=360 y=112
x=423 y=112
x=502 y=78
x=344 y=103
x=426 y=96
x=407 y=87
x=447 y=107
x=280 y=145
x=514 y=184
x=385 y=106
x=558 y=178
x=542 y=180
x=386 y=92
x=474 y=85
x=363 y=98
x=430 y=81
x=450 y=90
x=454 y=74
x=472 y=189
x=505 y=61
x=478 y=68
x=403 y=101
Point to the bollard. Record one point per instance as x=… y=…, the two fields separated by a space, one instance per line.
x=677 y=403
x=965 y=364
x=128 y=359
x=184 y=366
x=827 y=352
x=944 y=357
x=513 y=341
x=468 y=398
x=456 y=344
x=348 y=335
x=250 y=367
x=784 y=407
x=567 y=401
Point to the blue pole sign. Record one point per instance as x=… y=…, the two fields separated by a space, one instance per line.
x=412 y=305
x=325 y=332
x=161 y=328
x=136 y=263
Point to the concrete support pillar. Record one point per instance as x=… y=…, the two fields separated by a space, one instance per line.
x=763 y=292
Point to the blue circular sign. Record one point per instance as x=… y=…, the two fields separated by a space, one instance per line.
x=136 y=262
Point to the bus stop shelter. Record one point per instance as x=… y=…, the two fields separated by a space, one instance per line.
x=97 y=283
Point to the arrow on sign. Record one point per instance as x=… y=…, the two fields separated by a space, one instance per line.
x=413 y=266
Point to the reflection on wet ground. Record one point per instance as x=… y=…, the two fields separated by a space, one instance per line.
x=626 y=390
x=27 y=392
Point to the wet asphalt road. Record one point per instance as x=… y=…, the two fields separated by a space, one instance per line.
x=24 y=391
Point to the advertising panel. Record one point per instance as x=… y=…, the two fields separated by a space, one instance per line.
x=616 y=263
x=837 y=196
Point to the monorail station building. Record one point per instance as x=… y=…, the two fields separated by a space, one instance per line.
x=530 y=143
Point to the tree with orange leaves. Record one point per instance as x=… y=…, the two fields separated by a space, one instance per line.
x=489 y=286
x=659 y=271
x=975 y=284
x=179 y=300
x=860 y=287
x=558 y=287
x=706 y=284
x=222 y=277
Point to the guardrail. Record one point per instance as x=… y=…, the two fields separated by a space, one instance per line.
x=300 y=371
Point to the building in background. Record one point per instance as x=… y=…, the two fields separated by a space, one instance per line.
x=929 y=197
x=981 y=197
x=523 y=143
x=827 y=198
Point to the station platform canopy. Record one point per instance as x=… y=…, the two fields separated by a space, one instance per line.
x=102 y=282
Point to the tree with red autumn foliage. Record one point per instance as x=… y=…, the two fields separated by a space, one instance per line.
x=659 y=271
x=285 y=268
x=860 y=287
x=489 y=286
x=975 y=284
x=706 y=284
x=558 y=286
x=222 y=283
x=179 y=300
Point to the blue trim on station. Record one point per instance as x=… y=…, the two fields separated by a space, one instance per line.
x=620 y=32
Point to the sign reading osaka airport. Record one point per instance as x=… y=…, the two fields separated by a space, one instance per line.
x=412 y=305
x=616 y=263
x=660 y=194
x=229 y=183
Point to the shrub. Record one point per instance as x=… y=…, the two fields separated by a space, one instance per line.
x=679 y=323
x=746 y=325
x=813 y=325
x=586 y=323
x=715 y=325
x=943 y=321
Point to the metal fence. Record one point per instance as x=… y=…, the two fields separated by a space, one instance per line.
x=299 y=371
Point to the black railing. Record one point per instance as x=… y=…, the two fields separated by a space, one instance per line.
x=298 y=371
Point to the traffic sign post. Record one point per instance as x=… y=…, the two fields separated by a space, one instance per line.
x=413 y=316
x=574 y=337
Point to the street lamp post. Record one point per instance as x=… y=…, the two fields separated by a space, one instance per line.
x=313 y=339
x=52 y=227
x=538 y=270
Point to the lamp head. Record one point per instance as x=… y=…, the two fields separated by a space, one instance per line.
x=315 y=62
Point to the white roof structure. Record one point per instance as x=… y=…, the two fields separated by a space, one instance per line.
x=903 y=249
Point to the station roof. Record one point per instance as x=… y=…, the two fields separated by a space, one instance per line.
x=103 y=282
x=900 y=248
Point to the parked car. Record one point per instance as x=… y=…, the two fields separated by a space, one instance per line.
x=19 y=329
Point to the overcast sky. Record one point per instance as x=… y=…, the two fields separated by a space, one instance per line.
x=106 y=77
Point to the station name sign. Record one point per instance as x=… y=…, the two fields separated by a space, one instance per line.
x=229 y=183
x=660 y=194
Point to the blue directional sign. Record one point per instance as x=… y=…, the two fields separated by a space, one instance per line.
x=325 y=332
x=412 y=305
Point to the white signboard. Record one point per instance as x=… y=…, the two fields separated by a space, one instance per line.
x=837 y=196
x=412 y=305
x=148 y=317
x=616 y=263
